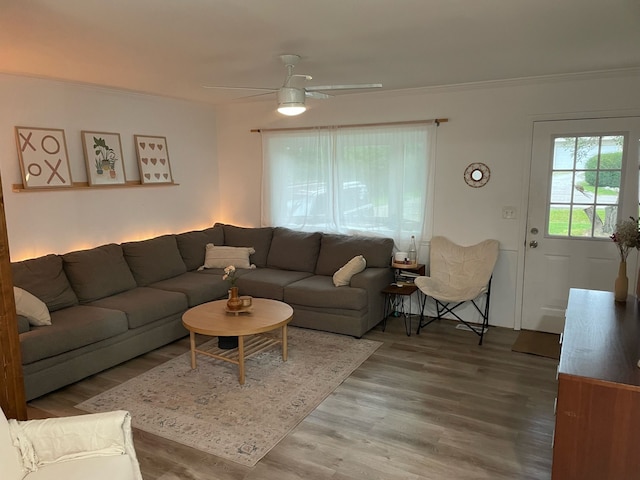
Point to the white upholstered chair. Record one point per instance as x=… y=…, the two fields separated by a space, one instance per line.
x=95 y=446
x=458 y=275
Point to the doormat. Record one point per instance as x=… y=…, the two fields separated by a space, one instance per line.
x=538 y=343
x=209 y=410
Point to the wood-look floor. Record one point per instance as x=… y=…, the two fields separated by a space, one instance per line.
x=433 y=406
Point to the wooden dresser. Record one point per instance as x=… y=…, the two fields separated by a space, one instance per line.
x=597 y=434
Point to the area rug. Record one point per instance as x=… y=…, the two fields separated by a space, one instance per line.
x=209 y=410
x=538 y=343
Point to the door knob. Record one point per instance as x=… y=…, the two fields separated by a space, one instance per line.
x=533 y=244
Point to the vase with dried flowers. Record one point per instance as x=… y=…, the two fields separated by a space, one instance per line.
x=626 y=238
x=234 y=303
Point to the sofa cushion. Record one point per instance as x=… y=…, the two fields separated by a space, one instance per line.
x=23 y=324
x=319 y=291
x=192 y=244
x=268 y=282
x=71 y=328
x=144 y=305
x=45 y=278
x=336 y=250
x=153 y=260
x=343 y=276
x=258 y=238
x=291 y=250
x=98 y=272
x=222 y=257
x=198 y=288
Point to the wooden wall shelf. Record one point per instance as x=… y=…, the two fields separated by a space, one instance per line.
x=19 y=187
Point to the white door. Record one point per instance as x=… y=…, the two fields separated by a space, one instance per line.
x=584 y=180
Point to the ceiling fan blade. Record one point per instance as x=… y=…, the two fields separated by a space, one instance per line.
x=240 y=88
x=316 y=95
x=343 y=87
x=255 y=95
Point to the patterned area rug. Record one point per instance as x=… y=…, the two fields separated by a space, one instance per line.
x=209 y=410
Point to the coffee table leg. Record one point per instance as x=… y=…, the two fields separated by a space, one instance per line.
x=285 y=353
x=192 y=341
x=241 y=358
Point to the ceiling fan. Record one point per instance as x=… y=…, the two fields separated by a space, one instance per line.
x=291 y=96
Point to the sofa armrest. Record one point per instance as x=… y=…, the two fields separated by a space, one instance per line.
x=52 y=440
x=373 y=280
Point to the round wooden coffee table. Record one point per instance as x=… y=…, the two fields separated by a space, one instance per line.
x=212 y=319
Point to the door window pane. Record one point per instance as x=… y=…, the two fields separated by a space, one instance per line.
x=585 y=185
x=558 y=220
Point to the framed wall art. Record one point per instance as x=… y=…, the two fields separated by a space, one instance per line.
x=153 y=159
x=44 y=161
x=103 y=155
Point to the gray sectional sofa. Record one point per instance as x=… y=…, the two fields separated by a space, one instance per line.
x=114 y=302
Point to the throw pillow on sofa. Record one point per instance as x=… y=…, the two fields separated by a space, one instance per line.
x=343 y=276
x=31 y=307
x=221 y=257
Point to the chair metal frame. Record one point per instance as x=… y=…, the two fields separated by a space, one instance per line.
x=459 y=274
x=443 y=308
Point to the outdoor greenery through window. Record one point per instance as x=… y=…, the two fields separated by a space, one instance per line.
x=585 y=185
x=370 y=180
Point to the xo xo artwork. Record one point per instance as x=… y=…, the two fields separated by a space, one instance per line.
x=44 y=162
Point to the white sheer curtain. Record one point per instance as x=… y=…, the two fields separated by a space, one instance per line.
x=369 y=180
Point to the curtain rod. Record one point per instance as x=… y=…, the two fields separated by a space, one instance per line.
x=437 y=121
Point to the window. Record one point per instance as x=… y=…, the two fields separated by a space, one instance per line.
x=370 y=180
x=585 y=185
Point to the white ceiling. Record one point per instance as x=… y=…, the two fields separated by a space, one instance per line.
x=173 y=47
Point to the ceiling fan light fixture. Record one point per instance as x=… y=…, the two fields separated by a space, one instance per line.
x=291 y=101
x=292 y=110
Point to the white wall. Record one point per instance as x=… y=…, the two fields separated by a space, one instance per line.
x=44 y=222
x=491 y=123
x=217 y=161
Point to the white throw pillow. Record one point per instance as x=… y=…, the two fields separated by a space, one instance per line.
x=221 y=257
x=343 y=276
x=32 y=307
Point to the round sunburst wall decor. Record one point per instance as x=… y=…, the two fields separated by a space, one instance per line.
x=477 y=175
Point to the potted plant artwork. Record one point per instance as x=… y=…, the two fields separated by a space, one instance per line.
x=105 y=157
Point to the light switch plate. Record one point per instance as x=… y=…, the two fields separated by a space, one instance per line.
x=509 y=213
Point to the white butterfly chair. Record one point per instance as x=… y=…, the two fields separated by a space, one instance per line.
x=459 y=275
x=95 y=446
